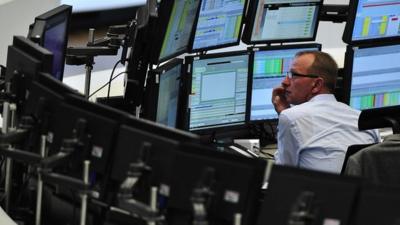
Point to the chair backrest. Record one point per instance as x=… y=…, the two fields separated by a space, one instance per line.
x=352 y=149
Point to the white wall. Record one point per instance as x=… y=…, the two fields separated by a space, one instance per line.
x=15 y=17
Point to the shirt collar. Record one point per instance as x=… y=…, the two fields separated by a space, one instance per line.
x=323 y=97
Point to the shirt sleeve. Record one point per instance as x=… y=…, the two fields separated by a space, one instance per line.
x=288 y=143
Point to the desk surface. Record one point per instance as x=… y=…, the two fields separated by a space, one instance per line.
x=268 y=151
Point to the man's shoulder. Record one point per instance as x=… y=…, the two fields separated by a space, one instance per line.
x=308 y=109
x=296 y=112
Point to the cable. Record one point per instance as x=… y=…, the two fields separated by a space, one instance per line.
x=107 y=83
x=111 y=76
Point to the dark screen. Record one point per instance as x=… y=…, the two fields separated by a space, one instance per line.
x=235 y=184
x=55 y=41
x=334 y=196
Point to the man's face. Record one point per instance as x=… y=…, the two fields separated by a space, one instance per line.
x=299 y=89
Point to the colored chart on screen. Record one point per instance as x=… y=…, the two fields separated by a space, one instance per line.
x=179 y=27
x=377 y=19
x=219 y=23
x=375 y=77
x=269 y=70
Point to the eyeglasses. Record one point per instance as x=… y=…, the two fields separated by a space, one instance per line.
x=291 y=74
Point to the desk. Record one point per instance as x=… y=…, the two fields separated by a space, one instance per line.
x=268 y=151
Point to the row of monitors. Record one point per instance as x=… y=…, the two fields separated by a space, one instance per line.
x=177 y=159
x=112 y=140
x=201 y=25
x=234 y=88
x=210 y=24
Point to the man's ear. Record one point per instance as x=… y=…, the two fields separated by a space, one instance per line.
x=318 y=85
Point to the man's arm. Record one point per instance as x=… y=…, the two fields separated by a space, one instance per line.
x=288 y=143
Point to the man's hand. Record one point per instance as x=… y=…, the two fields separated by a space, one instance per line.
x=279 y=100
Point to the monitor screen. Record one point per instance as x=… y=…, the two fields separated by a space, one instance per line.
x=180 y=15
x=219 y=24
x=219 y=87
x=324 y=198
x=372 y=20
x=269 y=66
x=50 y=30
x=374 y=75
x=282 y=21
x=162 y=93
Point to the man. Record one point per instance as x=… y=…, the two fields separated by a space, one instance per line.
x=315 y=130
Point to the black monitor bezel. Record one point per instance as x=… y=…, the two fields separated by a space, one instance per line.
x=89 y=111
x=375 y=198
x=48 y=20
x=237 y=42
x=251 y=68
x=187 y=90
x=25 y=59
x=49 y=88
x=164 y=15
x=248 y=29
x=138 y=64
x=150 y=103
x=348 y=67
x=148 y=129
x=213 y=156
x=349 y=28
x=26 y=47
x=280 y=172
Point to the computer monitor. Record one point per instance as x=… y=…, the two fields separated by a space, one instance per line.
x=175 y=27
x=139 y=63
x=235 y=183
x=217 y=90
x=269 y=66
x=26 y=57
x=162 y=93
x=315 y=197
x=44 y=96
x=282 y=21
x=219 y=24
x=162 y=143
x=377 y=204
x=25 y=60
x=102 y=125
x=50 y=30
x=372 y=22
x=372 y=77
x=44 y=93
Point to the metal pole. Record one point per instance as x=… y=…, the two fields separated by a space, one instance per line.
x=9 y=110
x=86 y=165
x=237 y=219
x=6 y=118
x=87 y=81
x=39 y=192
x=153 y=201
x=4 y=129
x=89 y=66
